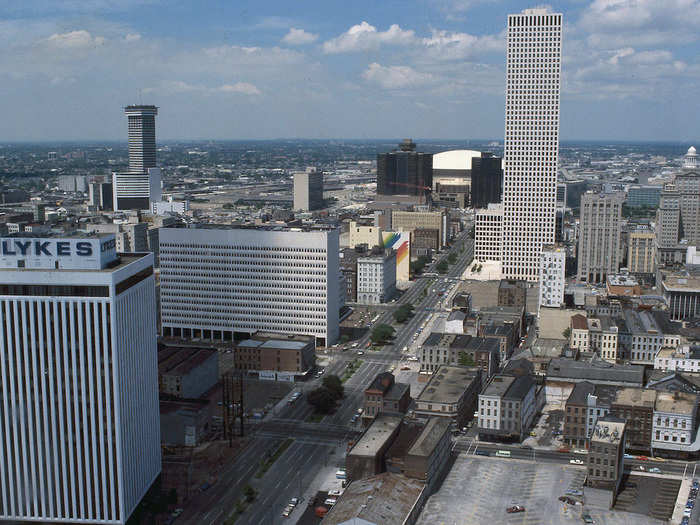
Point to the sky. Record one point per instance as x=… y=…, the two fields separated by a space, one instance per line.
x=361 y=69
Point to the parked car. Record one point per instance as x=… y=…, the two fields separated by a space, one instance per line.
x=587 y=518
x=515 y=508
x=576 y=462
x=655 y=470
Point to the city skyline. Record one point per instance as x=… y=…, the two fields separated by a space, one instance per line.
x=630 y=70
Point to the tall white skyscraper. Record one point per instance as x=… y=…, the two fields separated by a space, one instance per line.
x=139 y=188
x=531 y=140
x=79 y=416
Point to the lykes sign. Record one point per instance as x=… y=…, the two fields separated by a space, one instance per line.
x=49 y=248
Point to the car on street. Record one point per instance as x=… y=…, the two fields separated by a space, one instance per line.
x=587 y=518
x=335 y=492
x=515 y=508
x=655 y=470
x=567 y=500
x=576 y=462
x=685 y=520
x=574 y=492
x=687 y=512
x=330 y=502
x=360 y=352
x=641 y=467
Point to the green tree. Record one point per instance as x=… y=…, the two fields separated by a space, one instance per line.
x=466 y=360
x=334 y=386
x=322 y=400
x=382 y=333
x=403 y=312
x=442 y=267
x=566 y=333
x=249 y=493
x=452 y=258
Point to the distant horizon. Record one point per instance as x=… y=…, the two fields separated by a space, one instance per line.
x=418 y=141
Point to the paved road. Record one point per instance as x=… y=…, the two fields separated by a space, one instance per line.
x=294 y=469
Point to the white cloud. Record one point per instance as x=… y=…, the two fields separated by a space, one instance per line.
x=75 y=39
x=446 y=45
x=299 y=37
x=365 y=37
x=132 y=37
x=244 y=88
x=395 y=77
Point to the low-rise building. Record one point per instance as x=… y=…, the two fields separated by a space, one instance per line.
x=424 y=242
x=599 y=372
x=274 y=356
x=577 y=414
x=435 y=351
x=366 y=458
x=578 y=336
x=384 y=499
x=507 y=407
x=421 y=450
x=681 y=290
x=636 y=407
x=185 y=422
x=643 y=333
x=451 y=392
x=602 y=337
x=606 y=455
x=385 y=396
x=622 y=285
x=186 y=372
x=512 y=292
x=674 y=420
x=685 y=358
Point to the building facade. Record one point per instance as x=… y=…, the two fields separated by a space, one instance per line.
x=606 y=454
x=452 y=393
x=79 y=418
x=376 y=277
x=217 y=281
x=674 y=420
x=531 y=150
x=552 y=276
x=410 y=221
x=140 y=186
x=640 y=254
x=488 y=233
x=599 y=236
x=308 y=190
x=507 y=407
x=404 y=171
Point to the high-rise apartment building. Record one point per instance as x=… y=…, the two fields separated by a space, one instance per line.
x=599 y=236
x=531 y=140
x=219 y=281
x=552 y=276
x=139 y=188
x=404 y=171
x=79 y=418
x=308 y=190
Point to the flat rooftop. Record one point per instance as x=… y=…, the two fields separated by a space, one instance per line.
x=374 y=438
x=447 y=384
x=498 y=386
x=177 y=360
x=385 y=499
x=638 y=397
x=430 y=436
x=676 y=403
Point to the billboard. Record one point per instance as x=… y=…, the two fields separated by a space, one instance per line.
x=401 y=242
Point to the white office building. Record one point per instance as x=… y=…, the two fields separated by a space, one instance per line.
x=308 y=190
x=531 y=140
x=79 y=431
x=376 y=277
x=220 y=280
x=552 y=276
x=488 y=233
x=140 y=186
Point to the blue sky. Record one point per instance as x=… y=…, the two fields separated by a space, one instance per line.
x=330 y=69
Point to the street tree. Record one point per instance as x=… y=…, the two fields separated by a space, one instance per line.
x=334 y=385
x=382 y=333
x=322 y=400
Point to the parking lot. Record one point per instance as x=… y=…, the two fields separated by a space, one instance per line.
x=478 y=490
x=548 y=429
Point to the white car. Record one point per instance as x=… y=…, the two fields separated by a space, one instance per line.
x=576 y=462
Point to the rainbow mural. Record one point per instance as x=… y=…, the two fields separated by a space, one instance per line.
x=401 y=242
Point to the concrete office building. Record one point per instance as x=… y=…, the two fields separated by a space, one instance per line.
x=130 y=237
x=531 y=140
x=368 y=234
x=376 y=276
x=640 y=254
x=681 y=290
x=100 y=196
x=606 y=455
x=599 y=236
x=488 y=233
x=552 y=276
x=140 y=186
x=80 y=439
x=308 y=190
x=217 y=281
x=72 y=183
x=409 y=221
x=404 y=171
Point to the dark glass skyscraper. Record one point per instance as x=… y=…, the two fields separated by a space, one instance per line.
x=142 y=137
x=404 y=171
x=487 y=180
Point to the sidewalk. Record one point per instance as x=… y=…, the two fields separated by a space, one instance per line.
x=680 y=502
